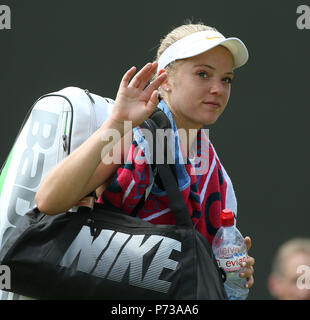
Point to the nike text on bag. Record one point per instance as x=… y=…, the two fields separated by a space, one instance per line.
x=105 y=254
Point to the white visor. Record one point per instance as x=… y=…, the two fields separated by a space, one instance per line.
x=199 y=42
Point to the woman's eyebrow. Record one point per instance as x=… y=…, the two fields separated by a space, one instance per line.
x=212 y=68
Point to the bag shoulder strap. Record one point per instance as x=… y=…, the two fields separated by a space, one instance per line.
x=159 y=120
x=162 y=122
x=167 y=172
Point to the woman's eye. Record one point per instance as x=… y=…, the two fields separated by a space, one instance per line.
x=203 y=74
x=228 y=80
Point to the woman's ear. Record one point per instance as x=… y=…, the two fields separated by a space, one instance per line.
x=164 y=84
x=160 y=72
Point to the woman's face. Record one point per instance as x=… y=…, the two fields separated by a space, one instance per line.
x=199 y=88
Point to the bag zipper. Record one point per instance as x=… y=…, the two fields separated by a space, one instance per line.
x=89 y=96
x=91 y=111
x=64 y=136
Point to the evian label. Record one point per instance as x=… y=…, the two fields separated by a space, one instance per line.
x=230 y=258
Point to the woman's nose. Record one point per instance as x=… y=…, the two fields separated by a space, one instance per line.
x=216 y=87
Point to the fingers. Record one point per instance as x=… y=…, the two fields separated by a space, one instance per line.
x=249 y=282
x=250 y=261
x=155 y=84
x=248 y=242
x=248 y=272
x=135 y=94
x=153 y=101
x=141 y=79
x=127 y=76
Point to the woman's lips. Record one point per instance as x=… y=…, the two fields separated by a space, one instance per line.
x=212 y=104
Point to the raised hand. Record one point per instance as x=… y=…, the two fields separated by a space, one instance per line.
x=134 y=101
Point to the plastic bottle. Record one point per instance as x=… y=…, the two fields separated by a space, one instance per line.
x=230 y=252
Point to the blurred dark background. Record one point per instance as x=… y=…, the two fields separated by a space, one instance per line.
x=262 y=138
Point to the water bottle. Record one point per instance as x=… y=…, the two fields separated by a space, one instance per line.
x=230 y=252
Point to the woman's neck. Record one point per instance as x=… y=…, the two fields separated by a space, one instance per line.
x=187 y=130
x=188 y=135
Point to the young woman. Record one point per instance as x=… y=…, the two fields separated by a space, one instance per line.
x=194 y=70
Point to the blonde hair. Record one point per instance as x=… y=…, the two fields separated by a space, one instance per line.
x=296 y=245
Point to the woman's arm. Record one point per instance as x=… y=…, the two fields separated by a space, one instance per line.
x=77 y=175
x=84 y=171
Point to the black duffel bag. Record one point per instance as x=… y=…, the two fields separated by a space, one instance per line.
x=104 y=253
